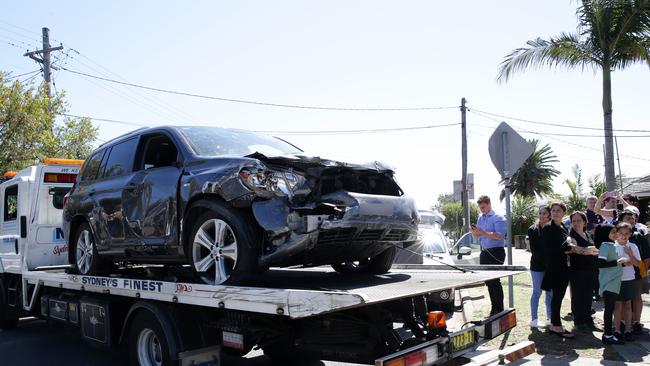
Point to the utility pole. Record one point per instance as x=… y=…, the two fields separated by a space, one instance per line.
x=464 y=193
x=45 y=60
x=618 y=157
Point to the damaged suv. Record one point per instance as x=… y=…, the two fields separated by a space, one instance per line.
x=231 y=202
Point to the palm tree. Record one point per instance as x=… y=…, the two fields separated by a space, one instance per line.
x=535 y=177
x=611 y=35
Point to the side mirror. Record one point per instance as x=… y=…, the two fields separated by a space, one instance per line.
x=464 y=251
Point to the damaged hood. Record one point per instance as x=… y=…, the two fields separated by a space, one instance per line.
x=305 y=161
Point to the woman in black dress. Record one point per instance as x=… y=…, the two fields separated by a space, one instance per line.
x=556 y=277
x=583 y=272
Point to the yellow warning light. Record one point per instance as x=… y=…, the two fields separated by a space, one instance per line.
x=57 y=161
x=9 y=174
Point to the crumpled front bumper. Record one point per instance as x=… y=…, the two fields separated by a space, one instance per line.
x=342 y=226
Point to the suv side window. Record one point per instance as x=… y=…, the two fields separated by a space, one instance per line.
x=11 y=203
x=91 y=169
x=120 y=158
x=159 y=151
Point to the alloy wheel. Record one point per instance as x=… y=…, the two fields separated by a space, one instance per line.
x=214 y=251
x=84 y=252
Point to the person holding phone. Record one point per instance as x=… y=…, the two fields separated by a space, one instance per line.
x=490 y=229
x=609 y=212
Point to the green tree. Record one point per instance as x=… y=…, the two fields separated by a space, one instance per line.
x=524 y=214
x=611 y=35
x=575 y=201
x=535 y=177
x=28 y=131
x=596 y=185
x=453 y=211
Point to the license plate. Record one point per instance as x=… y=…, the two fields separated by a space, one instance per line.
x=463 y=340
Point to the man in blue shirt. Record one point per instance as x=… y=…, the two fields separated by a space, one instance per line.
x=490 y=229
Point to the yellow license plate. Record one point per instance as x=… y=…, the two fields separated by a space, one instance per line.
x=463 y=340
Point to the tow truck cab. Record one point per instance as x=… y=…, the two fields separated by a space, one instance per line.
x=32 y=202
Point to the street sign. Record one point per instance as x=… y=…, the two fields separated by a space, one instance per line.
x=458 y=188
x=508 y=150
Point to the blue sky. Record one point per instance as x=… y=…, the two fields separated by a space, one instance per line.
x=335 y=53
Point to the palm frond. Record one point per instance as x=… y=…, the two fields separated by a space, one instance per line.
x=565 y=50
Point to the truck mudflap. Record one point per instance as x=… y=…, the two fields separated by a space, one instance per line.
x=452 y=345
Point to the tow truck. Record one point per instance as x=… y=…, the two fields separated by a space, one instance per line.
x=165 y=317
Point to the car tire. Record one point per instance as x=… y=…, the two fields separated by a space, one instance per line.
x=147 y=342
x=230 y=257
x=86 y=260
x=379 y=264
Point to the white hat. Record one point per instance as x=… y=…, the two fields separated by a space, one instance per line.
x=632 y=209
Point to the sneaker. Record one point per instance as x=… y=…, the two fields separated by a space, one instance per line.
x=611 y=340
x=637 y=328
x=620 y=338
x=629 y=337
x=536 y=324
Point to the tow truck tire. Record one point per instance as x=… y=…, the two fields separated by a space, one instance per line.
x=235 y=253
x=8 y=316
x=147 y=343
x=379 y=264
x=91 y=265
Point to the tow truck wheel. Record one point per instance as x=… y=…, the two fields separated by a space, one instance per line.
x=222 y=246
x=147 y=343
x=379 y=264
x=86 y=259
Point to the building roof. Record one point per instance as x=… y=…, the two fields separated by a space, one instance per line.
x=639 y=187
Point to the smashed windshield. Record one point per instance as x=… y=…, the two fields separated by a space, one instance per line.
x=214 y=141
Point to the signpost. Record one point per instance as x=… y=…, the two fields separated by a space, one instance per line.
x=508 y=152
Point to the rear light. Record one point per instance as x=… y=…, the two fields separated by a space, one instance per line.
x=501 y=325
x=421 y=357
x=436 y=320
x=59 y=178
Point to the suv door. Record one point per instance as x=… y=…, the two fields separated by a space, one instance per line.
x=108 y=190
x=150 y=204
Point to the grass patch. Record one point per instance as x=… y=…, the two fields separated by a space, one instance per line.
x=586 y=344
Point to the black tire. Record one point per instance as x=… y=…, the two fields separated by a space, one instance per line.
x=379 y=264
x=8 y=315
x=147 y=342
x=241 y=229
x=96 y=265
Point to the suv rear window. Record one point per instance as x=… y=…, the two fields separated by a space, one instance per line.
x=91 y=168
x=120 y=160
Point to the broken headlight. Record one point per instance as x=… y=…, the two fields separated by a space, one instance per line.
x=282 y=183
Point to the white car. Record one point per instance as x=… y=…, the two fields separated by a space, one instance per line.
x=466 y=250
x=435 y=250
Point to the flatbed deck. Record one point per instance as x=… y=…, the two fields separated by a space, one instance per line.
x=296 y=293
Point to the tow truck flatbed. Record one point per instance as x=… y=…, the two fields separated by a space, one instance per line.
x=296 y=293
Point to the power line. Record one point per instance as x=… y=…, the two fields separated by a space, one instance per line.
x=564 y=134
x=19 y=75
x=518 y=129
x=107 y=120
x=141 y=95
x=343 y=132
x=255 y=102
x=550 y=124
